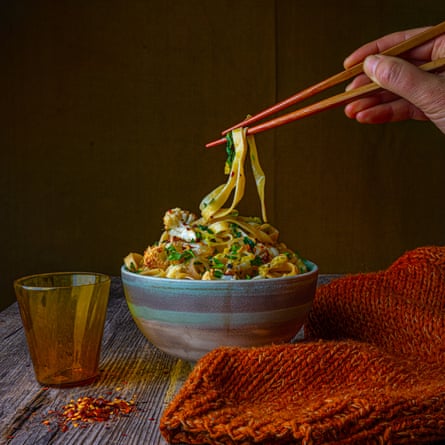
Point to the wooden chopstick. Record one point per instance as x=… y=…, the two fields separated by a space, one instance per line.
x=326 y=104
x=402 y=47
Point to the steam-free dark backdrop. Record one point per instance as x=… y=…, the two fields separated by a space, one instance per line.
x=106 y=107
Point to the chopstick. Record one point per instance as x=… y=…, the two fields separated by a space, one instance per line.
x=326 y=104
x=402 y=47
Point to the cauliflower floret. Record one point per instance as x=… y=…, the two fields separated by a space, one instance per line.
x=155 y=257
x=177 y=224
x=176 y=217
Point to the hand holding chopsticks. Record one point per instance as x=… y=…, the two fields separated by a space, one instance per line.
x=339 y=99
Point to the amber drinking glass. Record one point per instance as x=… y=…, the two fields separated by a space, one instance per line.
x=63 y=315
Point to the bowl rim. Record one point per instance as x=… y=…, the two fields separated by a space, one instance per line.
x=313 y=271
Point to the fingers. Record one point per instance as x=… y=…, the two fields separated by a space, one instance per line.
x=423 y=52
x=352 y=109
x=382 y=107
x=379 y=113
x=409 y=92
x=358 y=81
x=422 y=89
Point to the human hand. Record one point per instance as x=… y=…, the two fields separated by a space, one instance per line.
x=410 y=93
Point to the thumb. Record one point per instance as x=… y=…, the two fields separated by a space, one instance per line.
x=407 y=81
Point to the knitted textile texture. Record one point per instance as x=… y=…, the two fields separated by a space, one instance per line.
x=371 y=370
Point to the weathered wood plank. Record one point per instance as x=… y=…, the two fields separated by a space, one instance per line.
x=131 y=368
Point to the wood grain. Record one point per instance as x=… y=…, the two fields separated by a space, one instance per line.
x=131 y=368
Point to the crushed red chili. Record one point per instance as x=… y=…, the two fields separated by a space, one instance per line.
x=86 y=410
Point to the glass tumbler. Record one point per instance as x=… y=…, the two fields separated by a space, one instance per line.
x=63 y=315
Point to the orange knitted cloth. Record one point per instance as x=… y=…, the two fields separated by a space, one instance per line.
x=370 y=372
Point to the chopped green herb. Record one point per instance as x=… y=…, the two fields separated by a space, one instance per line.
x=217 y=264
x=217 y=273
x=235 y=230
x=187 y=255
x=174 y=255
x=205 y=228
x=249 y=241
x=230 y=150
x=257 y=261
x=234 y=248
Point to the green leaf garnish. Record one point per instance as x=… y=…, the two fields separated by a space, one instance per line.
x=230 y=150
x=217 y=264
x=249 y=241
x=205 y=229
x=174 y=255
x=217 y=274
x=257 y=261
x=234 y=248
x=235 y=230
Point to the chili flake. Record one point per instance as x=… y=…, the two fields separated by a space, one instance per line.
x=87 y=410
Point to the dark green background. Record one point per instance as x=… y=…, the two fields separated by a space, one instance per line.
x=106 y=107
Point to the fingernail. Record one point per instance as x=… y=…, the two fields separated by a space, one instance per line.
x=346 y=63
x=370 y=65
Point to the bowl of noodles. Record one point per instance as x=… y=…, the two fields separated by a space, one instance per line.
x=220 y=279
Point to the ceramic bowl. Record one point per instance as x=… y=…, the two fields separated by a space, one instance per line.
x=188 y=318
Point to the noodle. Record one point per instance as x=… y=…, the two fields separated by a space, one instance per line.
x=221 y=244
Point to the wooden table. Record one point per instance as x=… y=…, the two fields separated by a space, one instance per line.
x=130 y=368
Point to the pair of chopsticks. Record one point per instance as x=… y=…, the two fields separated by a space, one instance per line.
x=339 y=99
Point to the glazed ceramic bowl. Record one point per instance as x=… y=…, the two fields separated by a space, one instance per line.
x=188 y=318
